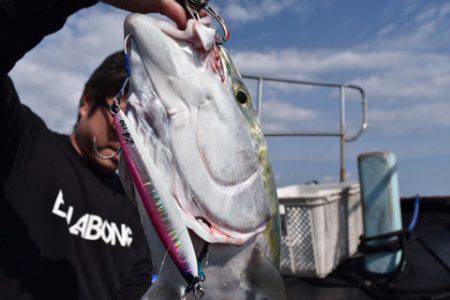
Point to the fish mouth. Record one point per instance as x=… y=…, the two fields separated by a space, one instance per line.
x=211 y=228
x=217 y=188
x=220 y=234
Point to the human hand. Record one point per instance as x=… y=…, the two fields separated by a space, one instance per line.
x=169 y=8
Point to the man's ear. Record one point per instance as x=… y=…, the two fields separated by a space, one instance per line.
x=85 y=107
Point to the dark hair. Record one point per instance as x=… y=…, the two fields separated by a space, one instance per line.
x=105 y=82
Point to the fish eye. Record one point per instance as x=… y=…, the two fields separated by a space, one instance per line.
x=242 y=96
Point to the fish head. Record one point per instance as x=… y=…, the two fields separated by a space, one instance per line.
x=196 y=119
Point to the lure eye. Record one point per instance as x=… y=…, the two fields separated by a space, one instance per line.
x=242 y=96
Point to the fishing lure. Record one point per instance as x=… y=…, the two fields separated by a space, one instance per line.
x=163 y=213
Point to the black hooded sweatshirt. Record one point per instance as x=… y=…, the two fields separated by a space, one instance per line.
x=66 y=231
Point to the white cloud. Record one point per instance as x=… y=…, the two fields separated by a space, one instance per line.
x=282 y=116
x=313 y=63
x=244 y=11
x=51 y=77
x=409 y=8
x=239 y=11
x=391 y=75
x=386 y=30
x=406 y=78
x=423 y=32
x=444 y=11
x=427 y=14
x=426 y=30
x=278 y=110
x=416 y=118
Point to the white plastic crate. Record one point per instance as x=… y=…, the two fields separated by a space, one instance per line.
x=321 y=225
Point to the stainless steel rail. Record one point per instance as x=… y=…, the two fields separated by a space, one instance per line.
x=342 y=133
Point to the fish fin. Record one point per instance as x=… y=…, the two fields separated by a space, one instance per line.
x=264 y=278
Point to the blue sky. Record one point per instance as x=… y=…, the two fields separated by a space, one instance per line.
x=396 y=50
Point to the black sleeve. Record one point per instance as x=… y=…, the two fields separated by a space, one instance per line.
x=138 y=279
x=24 y=23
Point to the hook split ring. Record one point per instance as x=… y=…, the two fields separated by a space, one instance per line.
x=101 y=156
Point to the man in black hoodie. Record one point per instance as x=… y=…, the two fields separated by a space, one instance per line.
x=67 y=229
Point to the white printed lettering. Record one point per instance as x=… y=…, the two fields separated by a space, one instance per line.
x=69 y=215
x=93 y=227
x=80 y=226
x=126 y=235
x=123 y=235
x=114 y=233
x=57 y=208
x=107 y=233
x=58 y=203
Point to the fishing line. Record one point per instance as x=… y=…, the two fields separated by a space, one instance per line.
x=163 y=262
x=167 y=251
x=127 y=58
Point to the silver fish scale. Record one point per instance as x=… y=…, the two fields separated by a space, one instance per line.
x=297 y=251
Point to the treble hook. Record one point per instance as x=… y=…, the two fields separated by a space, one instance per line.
x=198 y=291
x=196 y=288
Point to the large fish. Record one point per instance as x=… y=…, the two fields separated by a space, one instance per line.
x=203 y=158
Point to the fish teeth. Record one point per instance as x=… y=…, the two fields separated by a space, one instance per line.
x=206 y=227
x=203 y=224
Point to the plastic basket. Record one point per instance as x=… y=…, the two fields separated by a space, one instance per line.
x=321 y=225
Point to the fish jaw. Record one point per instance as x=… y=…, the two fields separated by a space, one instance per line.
x=184 y=112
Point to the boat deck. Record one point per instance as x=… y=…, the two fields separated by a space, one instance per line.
x=426 y=275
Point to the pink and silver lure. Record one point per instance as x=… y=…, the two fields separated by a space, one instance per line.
x=162 y=213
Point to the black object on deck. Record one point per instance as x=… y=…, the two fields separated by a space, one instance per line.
x=425 y=276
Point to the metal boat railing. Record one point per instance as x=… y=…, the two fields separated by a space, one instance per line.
x=341 y=134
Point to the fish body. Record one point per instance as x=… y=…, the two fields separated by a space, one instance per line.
x=202 y=146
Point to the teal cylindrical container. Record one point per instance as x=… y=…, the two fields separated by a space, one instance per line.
x=381 y=207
